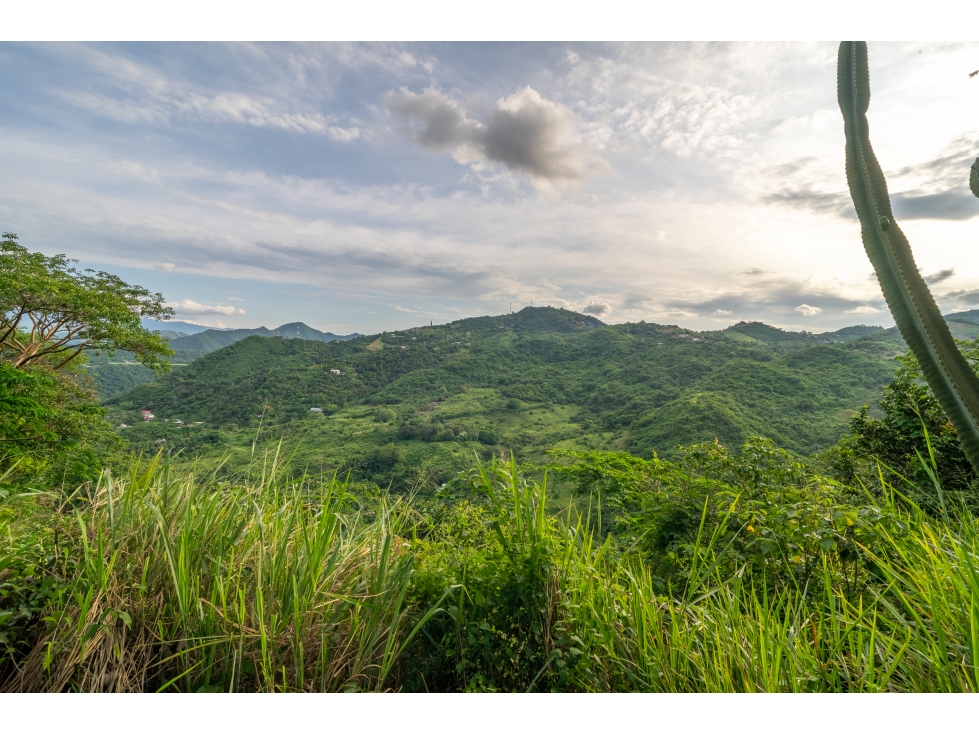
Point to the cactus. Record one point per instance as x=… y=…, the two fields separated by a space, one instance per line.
x=949 y=376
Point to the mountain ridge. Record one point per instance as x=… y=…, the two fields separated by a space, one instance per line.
x=211 y=340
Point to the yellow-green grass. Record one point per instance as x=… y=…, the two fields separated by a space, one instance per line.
x=180 y=582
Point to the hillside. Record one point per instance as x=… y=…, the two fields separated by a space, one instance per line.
x=423 y=399
x=120 y=372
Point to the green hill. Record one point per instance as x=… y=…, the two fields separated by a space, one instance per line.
x=416 y=403
x=120 y=372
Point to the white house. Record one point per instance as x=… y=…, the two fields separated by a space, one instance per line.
x=315 y=410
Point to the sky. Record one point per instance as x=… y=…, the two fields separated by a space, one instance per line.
x=370 y=187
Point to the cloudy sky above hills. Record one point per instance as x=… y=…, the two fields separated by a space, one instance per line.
x=369 y=187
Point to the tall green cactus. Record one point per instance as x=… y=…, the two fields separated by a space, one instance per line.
x=917 y=316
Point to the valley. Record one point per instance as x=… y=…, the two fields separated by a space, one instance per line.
x=411 y=408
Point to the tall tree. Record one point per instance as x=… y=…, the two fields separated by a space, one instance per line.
x=51 y=426
x=50 y=313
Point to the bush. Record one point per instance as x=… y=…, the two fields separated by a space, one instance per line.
x=385 y=415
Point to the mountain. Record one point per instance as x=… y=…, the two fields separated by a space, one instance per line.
x=965 y=317
x=401 y=406
x=185 y=326
x=783 y=341
x=212 y=339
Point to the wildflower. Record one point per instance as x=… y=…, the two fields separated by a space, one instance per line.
x=751 y=529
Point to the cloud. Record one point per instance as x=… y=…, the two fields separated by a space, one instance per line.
x=806 y=310
x=969 y=297
x=820 y=202
x=165 y=267
x=780 y=295
x=948 y=205
x=133 y=92
x=189 y=306
x=754 y=271
x=861 y=309
x=524 y=132
x=945 y=205
x=939 y=276
x=597 y=308
x=132 y=169
x=721 y=312
x=632 y=301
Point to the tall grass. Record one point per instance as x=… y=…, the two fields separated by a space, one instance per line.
x=222 y=586
x=916 y=628
x=188 y=584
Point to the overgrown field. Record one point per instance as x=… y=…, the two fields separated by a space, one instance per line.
x=717 y=572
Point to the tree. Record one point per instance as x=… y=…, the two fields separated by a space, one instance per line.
x=50 y=313
x=898 y=438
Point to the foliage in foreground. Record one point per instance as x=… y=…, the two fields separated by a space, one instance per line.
x=160 y=581
x=51 y=317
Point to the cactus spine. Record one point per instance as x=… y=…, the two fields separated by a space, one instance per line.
x=949 y=376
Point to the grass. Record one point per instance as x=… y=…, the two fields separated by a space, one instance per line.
x=175 y=582
x=190 y=585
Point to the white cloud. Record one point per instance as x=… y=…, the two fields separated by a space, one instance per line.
x=806 y=310
x=157 y=97
x=863 y=309
x=721 y=312
x=597 y=308
x=134 y=170
x=189 y=306
x=165 y=267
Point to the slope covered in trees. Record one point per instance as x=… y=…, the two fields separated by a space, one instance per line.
x=539 y=379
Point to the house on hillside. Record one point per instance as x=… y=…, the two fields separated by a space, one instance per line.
x=315 y=410
x=336 y=372
x=148 y=415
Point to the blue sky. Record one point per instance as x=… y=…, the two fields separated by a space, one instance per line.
x=361 y=187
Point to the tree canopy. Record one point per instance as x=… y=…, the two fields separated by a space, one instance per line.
x=50 y=312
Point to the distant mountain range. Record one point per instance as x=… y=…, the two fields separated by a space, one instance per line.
x=211 y=340
x=965 y=317
x=179 y=326
x=187 y=337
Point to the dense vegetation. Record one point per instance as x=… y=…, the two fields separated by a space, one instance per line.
x=412 y=407
x=51 y=317
x=748 y=572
